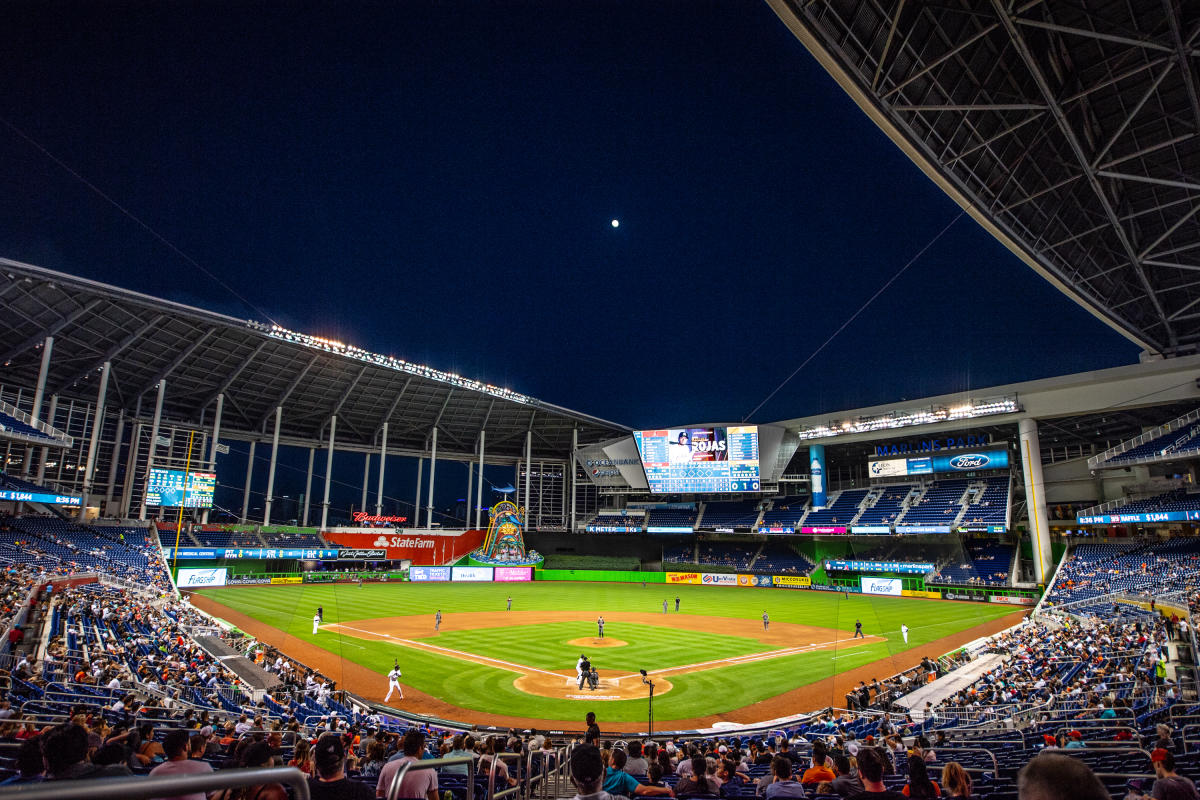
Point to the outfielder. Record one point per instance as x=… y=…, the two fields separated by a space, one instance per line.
x=509 y=608
x=766 y=621
x=664 y=606
x=437 y=620
x=904 y=632
x=394 y=682
x=316 y=622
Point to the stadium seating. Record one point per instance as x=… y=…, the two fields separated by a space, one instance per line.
x=888 y=505
x=734 y=515
x=989 y=503
x=779 y=558
x=1179 y=442
x=671 y=518
x=841 y=510
x=11 y=424
x=1174 y=500
x=786 y=511
x=939 y=505
x=8 y=481
x=989 y=565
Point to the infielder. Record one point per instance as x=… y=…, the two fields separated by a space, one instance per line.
x=676 y=603
x=664 y=606
x=394 y=682
x=858 y=634
x=316 y=622
x=904 y=632
x=437 y=620
x=766 y=621
x=321 y=613
x=600 y=626
x=509 y=605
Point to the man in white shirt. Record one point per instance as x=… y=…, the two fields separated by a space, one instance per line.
x=316 y=622
x=416 y=783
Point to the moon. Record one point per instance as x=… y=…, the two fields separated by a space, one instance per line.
x=616 y=223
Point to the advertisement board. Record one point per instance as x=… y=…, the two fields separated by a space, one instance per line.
x=871 y=529
x=816 y=475
x=753 y=580
x=288 y=579
x=668 y=529
x=718 y=579
x=922 y=529
x=247 y=580
x=791 y=581
x=903 y=567
x=824 y=530
x=888 y=586
x=776 y=529
x=429 y=573
x=970 y=461
x=469 y=574
x=921 y=593
x=38 y=497
x=716 y=459
x=513 y=574
x=210 y=576
x=1012 y=601
x=419 y=547
x=253 y=553
x=1151 y=516
x=683 y=577
x=359 y=555
x=965 y=594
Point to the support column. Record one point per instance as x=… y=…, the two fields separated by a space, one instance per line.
x=382 y=464
x=271 y=469
x=135 y=444
x=470 y=488
x=97 y=422
x=479 y=480
x=417 y=502
x=1035 y=498
x=41 y=470
x=113 y=461
x=246 y=485
x=39 y=393
x=572 y=466
x=328 y=472
x=312 y=453
x=153 y=446
x=366 y=476
x=432 y=470
x=216 y=438
x=528 y=470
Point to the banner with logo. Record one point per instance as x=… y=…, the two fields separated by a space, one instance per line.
x=504 y=574
x=921 y=593
x=683 y=577
x=816 y=467
x=429 y=573
x=922 y=529
x=871 y=529
x=824 y=530
x=469 y=574
x=417 y=546
x=1012 y=601
x=247 y=580
x=966 y=594
x=776 y=529
x=791 y=581
x=888 y=467
x=18 y=496
x=889 y=586
x=191 y=578
x=289 y=579
x=718 y=579
x=361 y=555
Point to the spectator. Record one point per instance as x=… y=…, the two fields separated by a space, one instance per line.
x=461 y=746
x=29 y=764
x=330 y=781
x=300 y=757
x=65 y=750
x=588 y=774
x=376 y=757
x=255 y=755
x=491 y=762
x=782 y=783
x=697 y=780
x=919 y=787
x=1051 y=776
x=871 y=765
x=176 y=747
x=1172 y=783
x=635 y=764
x=620 y=783
x=956 y=780
x=664 y=761
x=818 y=772
x=847 y=782
x=416 y=783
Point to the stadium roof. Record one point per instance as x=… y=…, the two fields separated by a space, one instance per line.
x=258 y=367
x=1070 y=131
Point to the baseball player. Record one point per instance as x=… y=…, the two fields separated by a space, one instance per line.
x=858 y=634
x=579 y=668
x=676 y=603
x=600 y=626
x=321 y=613
x=904 y=632
x=664 y=606
x=437 y=620
x=585 y=669
x=316 y=622
x=766 y=621
x=394 y=682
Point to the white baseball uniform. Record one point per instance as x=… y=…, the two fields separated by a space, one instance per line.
x=904 y=632
x=316 y=622
x=394 y=684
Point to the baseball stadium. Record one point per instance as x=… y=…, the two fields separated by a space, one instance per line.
x=1002 y=580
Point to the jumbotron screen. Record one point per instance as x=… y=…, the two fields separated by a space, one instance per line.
x=166 y=487
x=696 y=460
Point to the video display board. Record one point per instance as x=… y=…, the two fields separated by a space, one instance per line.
x=166 y=487
x=698 y=460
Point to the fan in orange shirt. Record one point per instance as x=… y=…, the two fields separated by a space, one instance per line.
x=818 y=772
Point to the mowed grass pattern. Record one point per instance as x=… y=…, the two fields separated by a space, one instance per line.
x=696 y=694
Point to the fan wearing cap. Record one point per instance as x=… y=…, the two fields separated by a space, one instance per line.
x=1075 y=741
x=330 y=781
x=1168 y=784
x=587 y=773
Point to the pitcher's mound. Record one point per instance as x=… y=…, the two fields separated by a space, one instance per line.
x=592 y=642
x=612 y=686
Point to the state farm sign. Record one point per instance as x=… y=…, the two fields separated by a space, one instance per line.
x=422 y=547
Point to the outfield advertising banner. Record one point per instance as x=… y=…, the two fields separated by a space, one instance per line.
x=792 y=581
x=288 y=580
x=256 y=553
x=1012 y=601
x=776 y=529
x=683 y=577
x=921 y=593
x=889 y=586
x=871 y=529
x=903 y=567
x=750 y=581
x=509 y=574
x=247 y=580
x=417 y=546
x=922 y=529
x=1150 y=516
x=823 y=530
x=429 y=573
x=966 y=594
x=718 y=579
x=211 y=576
x=469 y=574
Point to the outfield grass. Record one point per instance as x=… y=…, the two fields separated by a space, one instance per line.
x=696 y=694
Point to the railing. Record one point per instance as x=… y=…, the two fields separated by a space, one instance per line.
x=434 y=763
x=173 y=786
x=1148 y=436
x=58 y=437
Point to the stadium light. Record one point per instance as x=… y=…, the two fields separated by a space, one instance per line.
x=388 y=362
x=972 y=409
x=650 y=714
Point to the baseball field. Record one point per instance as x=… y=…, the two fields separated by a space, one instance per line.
x=711 y=661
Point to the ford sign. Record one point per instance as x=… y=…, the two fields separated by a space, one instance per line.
x=970 y=461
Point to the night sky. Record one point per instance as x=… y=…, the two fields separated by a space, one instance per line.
x=436 y=181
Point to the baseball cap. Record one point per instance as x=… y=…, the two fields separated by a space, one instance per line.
x=586 y=763
x=1075 y=735
x=1048 y=739
x=1159 y=754
x=329 y=751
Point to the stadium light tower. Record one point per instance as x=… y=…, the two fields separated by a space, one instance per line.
x=650 y=718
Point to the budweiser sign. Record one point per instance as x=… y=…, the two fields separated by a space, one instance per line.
x=362 y=516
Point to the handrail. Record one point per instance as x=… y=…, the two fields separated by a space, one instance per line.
x=1148 y=436
x=433 y=763
x=990 y=754
x=496 y=757
x=170 y=786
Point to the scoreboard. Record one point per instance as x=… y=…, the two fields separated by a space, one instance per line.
x=698 y=460
x=168 y=488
